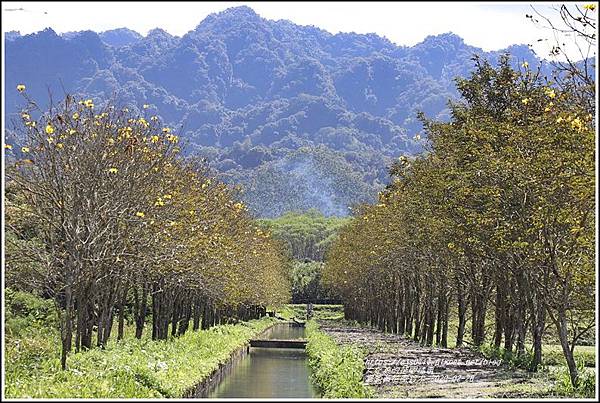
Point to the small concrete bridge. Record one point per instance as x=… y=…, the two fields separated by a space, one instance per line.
x=278 y=343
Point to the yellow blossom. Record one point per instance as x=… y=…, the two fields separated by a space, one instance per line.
x=172 y=138
x=590 y=7
x=111 y=141
x=560 y=119
x=168 y=196
x=154 y=118
x=577 y=124
x=75 y=116
x=49 y=129
x=21 y=87
x=166 y=130
x=525 y=64
x=550 y=93
x=154 y=139
x=50 y=139
x=89 y=103
x=59 y=145
x=8 y=146
x=525 y=101
x=140 y=214
x=113 y=170
x=146 y=106
x=25 y=149
x=25 y=116
x=72 y=131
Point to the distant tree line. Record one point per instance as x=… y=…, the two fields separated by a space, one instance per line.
x=306 y=237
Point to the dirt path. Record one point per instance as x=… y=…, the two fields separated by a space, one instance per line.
x=400 y=368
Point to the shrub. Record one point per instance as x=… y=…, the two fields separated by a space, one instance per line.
x=25 y=310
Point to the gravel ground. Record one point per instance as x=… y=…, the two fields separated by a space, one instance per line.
x=400 y=368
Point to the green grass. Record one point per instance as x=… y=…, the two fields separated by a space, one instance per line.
x=129 y=368
x=553 y=355
x=559 y=376
x=323 y=311
x=288 y=312
x=554 y=368
x=336 y=370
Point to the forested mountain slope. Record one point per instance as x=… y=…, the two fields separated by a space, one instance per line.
x=283 y=108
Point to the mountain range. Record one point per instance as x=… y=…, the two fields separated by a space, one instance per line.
x=302 y=118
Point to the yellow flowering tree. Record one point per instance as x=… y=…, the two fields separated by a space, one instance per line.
x=125 y=221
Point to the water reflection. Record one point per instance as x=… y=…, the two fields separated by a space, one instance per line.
x=270 y=372
x=285 y=331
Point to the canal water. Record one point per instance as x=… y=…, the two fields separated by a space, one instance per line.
x=270 y=372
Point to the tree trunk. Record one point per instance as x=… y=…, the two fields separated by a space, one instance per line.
x=67 y=335
x=538 y=323
x=445 y=318
x=121 y=329
x=499 y=312
x=197 y=314
x=462 y=317
x=440 y=316
x=141 y=309
x=561 y=326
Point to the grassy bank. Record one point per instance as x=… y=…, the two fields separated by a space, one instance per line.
x=320 y=311
x=129 y=368
x=336 y=370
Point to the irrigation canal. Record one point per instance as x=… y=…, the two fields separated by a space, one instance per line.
x=278 y=371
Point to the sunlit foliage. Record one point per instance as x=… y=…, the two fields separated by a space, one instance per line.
x=114 y=219
x=497 y=215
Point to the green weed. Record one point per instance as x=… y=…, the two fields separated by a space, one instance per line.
x=129 y=368
x=336 y=370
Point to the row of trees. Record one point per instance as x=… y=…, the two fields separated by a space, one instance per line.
x=306 y=237
x=495 y=219
x=106 y=218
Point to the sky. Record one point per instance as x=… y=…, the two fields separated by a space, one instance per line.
x=489 y=25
